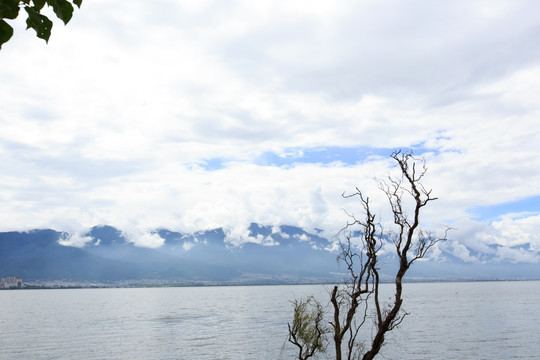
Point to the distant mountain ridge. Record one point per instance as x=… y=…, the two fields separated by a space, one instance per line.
x=294 y=256
x=284 y=254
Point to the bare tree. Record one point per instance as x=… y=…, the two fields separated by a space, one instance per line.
x=358 y=299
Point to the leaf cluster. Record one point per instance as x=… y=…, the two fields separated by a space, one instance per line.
x=10 y=9
x=307 y=331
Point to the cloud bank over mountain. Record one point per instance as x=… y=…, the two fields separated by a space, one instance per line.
x=197 y=115
x=284 y=254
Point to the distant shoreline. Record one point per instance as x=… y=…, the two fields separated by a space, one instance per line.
x=66 y=285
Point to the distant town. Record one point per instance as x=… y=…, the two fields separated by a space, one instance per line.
x=14 y=283
x=11 y=282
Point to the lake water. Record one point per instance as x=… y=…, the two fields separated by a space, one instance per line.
x=477 y=320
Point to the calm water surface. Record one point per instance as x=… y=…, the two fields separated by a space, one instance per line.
x=481 y=320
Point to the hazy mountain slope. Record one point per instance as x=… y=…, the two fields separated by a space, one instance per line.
x=37 y=255
x=271 y=254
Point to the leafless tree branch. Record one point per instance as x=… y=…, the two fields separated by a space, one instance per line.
x=359 y=251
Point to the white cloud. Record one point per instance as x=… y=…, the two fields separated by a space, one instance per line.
x=143 y=238
x=277 y=230
x=113 y=120
x=461 y=252
x=517 y=255
x=188 y=245
x=520 y=230
x=77 y=240
x=515 y=237
x=302 y=237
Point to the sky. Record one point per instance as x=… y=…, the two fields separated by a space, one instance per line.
x=194 y=115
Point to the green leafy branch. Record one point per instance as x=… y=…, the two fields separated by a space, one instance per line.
x=10 y=9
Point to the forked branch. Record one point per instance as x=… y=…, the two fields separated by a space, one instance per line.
x=359 y=252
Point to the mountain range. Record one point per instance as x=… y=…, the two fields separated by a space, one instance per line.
x=288 y=255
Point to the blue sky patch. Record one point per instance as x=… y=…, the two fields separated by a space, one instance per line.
x=212 y=164
x=348 y=155
x=494 y=212
x=325 y=155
